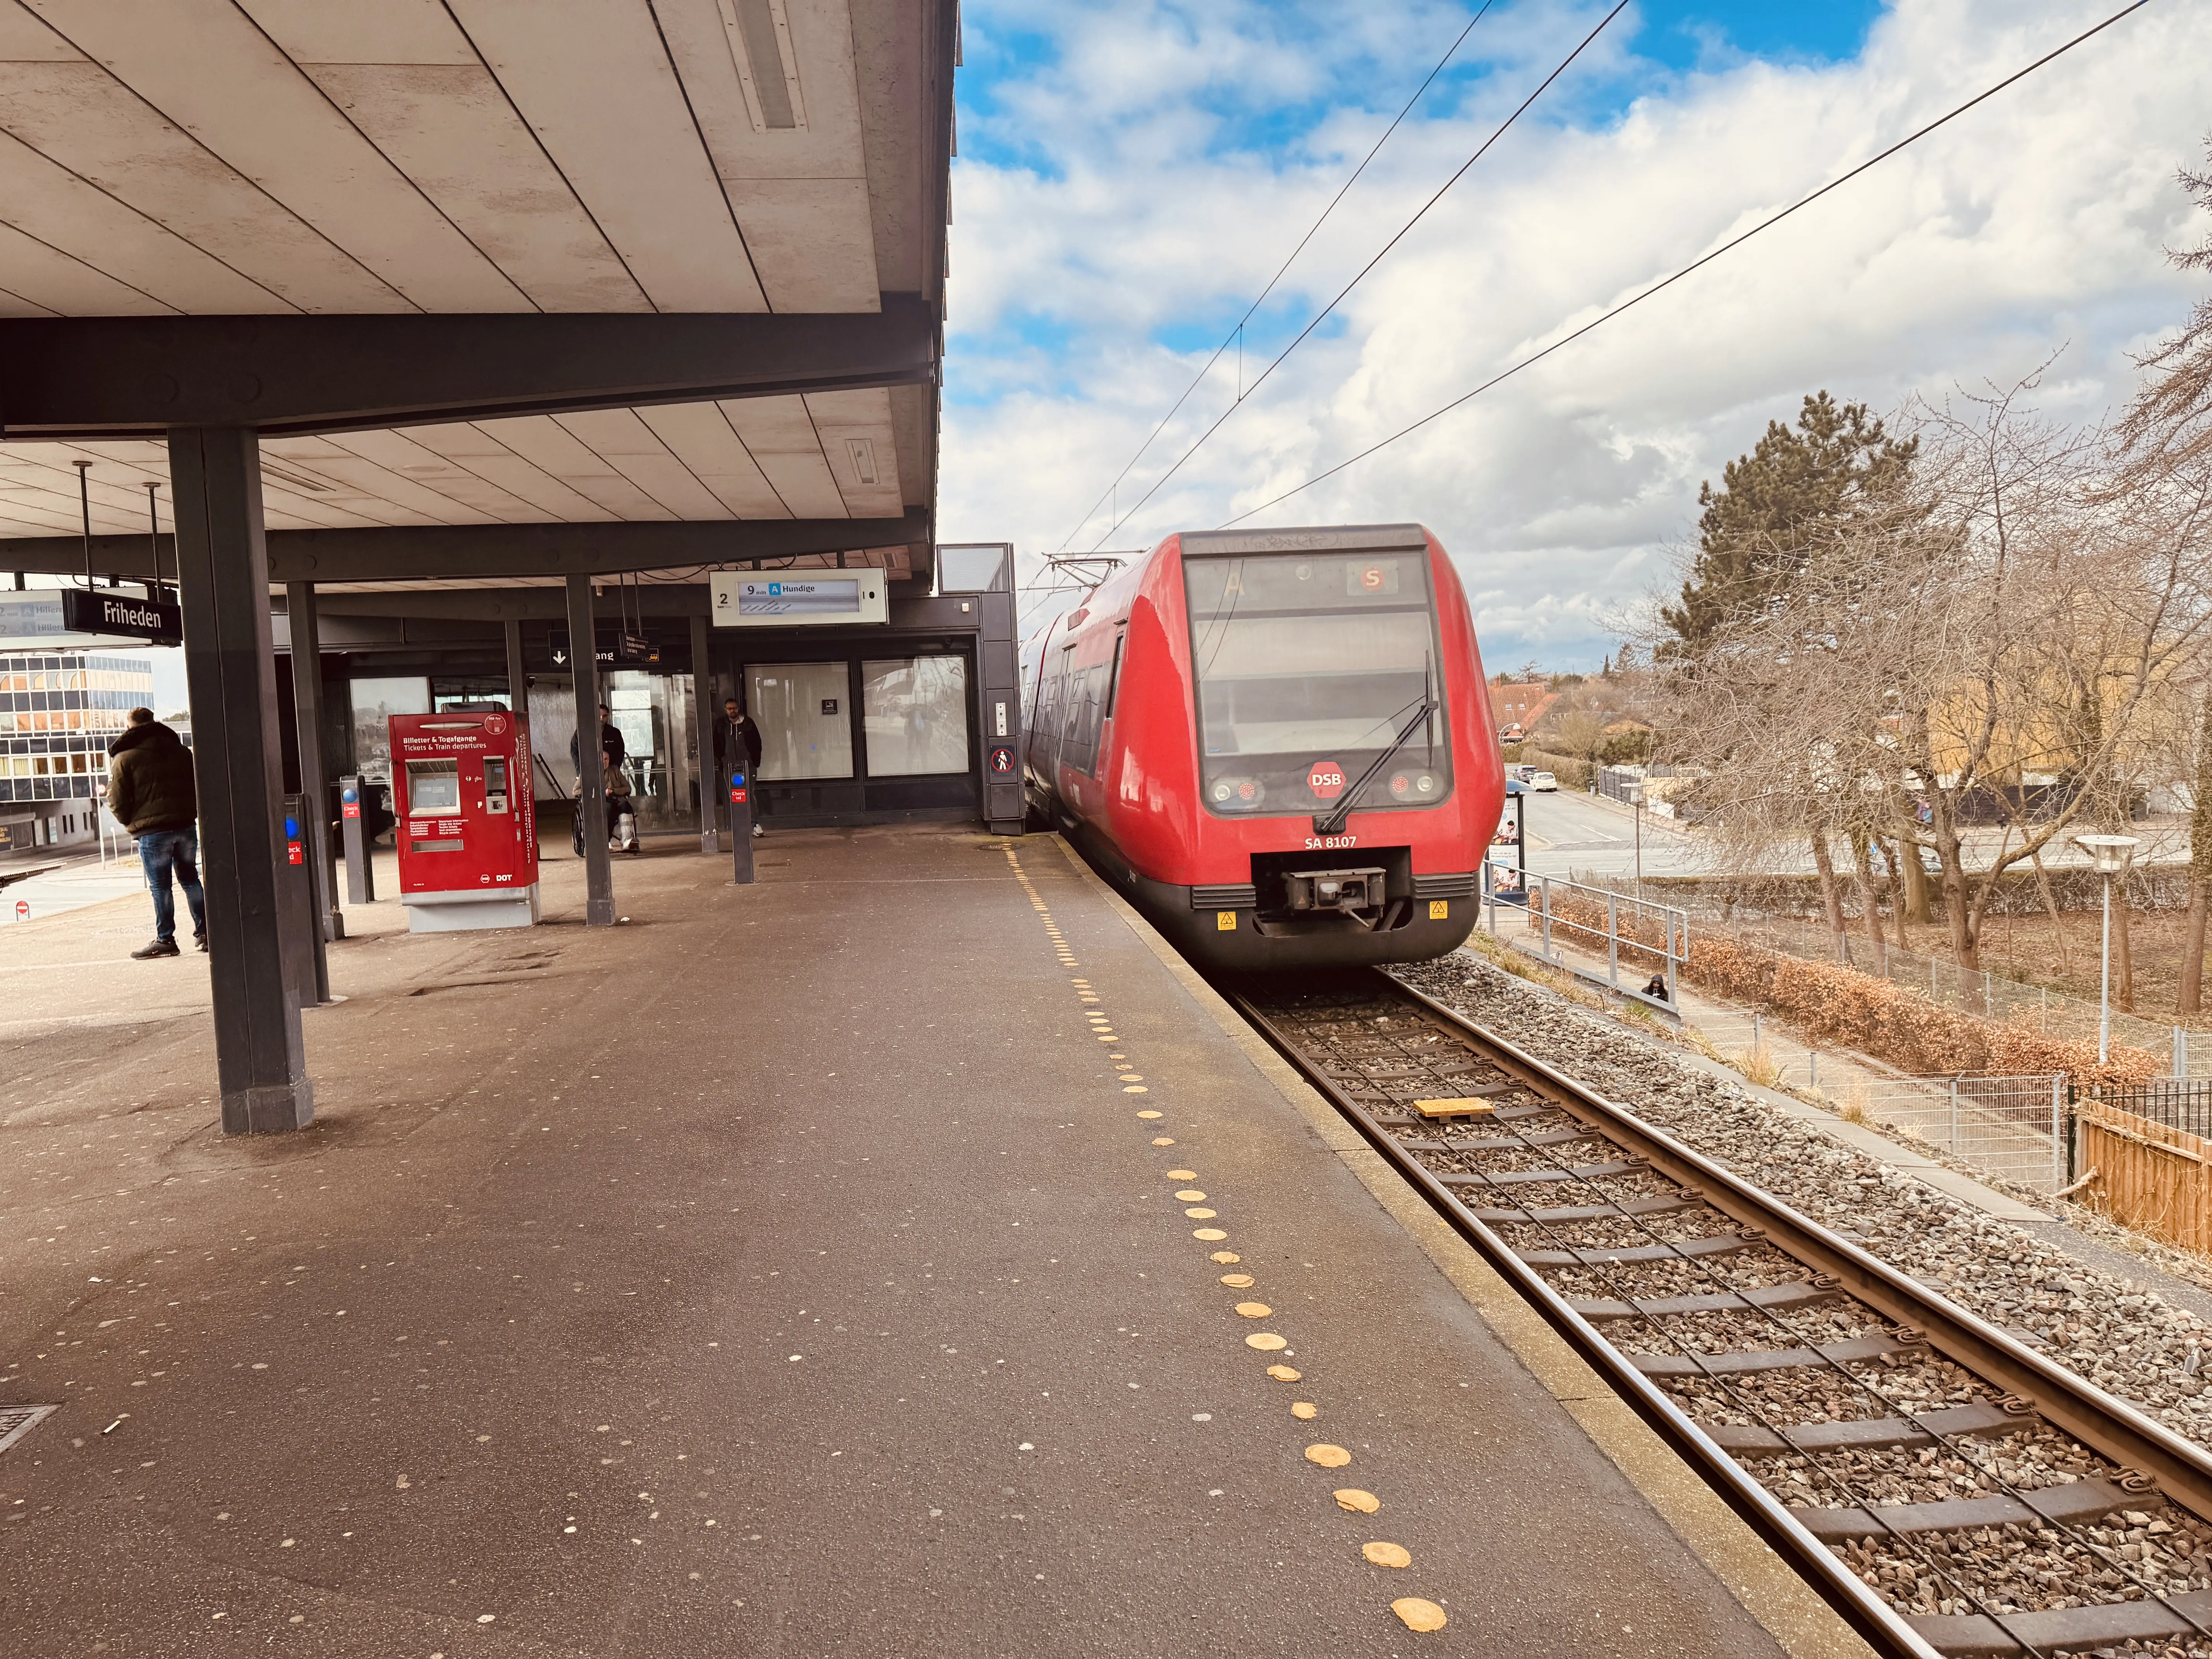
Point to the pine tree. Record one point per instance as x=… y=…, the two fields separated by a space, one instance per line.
x=1772 y=502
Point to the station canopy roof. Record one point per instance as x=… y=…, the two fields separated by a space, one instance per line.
x=307 y=176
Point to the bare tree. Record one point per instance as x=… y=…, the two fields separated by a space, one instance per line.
x=2170 y=422
x=1578 y=732
x=2069 y=603
x=2191 y=1000
x=1968 y=658
x=2165 y=443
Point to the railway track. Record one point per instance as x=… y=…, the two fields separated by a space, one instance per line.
x=1943 y=1486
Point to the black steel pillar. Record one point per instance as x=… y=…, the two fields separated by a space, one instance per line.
x=314 y=779
x=517 y=683
x=592 y=796
x=222 y=573
x=705 y=711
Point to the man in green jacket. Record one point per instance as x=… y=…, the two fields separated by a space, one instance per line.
x=150 y=793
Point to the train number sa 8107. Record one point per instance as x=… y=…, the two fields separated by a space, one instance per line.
x=1325 y=843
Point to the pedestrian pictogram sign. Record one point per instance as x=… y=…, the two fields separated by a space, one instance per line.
x=1002 y=760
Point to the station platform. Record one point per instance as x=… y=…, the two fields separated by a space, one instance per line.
x=831 y=1266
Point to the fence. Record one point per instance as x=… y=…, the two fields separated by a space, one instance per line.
x=2184 y=1104
x=2145 y=1175
x=2012 y=1127
x=1947 y=985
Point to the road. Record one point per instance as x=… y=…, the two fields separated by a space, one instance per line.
x=1570 y=831
x=81 y=881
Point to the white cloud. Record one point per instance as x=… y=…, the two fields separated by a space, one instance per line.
x=2035 y=221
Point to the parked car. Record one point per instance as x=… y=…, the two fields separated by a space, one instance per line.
x=1542 y=781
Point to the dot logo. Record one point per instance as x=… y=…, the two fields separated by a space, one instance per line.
x=1326 y=780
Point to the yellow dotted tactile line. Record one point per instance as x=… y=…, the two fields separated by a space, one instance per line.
x=1044 y=910
x=1415 y=1612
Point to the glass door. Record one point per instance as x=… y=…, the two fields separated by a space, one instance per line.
x=806 y=723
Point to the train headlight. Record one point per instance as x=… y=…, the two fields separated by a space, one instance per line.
x=1236 y=792
x=1223 y=791
x=1401 y=784
x=1427 y=784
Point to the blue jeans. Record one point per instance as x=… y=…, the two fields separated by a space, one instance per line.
x=165 y=850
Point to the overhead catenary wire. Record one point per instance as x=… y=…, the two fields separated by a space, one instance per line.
x=1236 y=336
x=1696 y=265
x=1322 y=315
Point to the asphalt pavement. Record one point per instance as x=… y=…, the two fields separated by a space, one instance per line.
x=798 y=1269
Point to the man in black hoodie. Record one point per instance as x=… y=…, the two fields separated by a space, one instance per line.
x=151 y=793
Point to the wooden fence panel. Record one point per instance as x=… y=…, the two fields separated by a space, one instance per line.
x=2148 y=1177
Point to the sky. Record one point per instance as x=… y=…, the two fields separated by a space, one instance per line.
x=1131 y=173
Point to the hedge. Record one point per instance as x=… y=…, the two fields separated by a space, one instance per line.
x=1854 y=1010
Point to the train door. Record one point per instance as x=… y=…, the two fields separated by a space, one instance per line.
x=1108 y=700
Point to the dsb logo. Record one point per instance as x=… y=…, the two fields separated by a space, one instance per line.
x=1326 y=780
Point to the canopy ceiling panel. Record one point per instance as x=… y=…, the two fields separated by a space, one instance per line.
x=340 y=158
x=827 y=455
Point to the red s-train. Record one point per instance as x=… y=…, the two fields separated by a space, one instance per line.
x=1276 y=743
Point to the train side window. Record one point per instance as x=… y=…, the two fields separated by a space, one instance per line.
x=1043 y=732
x=1062 y=707
x=1084 y=686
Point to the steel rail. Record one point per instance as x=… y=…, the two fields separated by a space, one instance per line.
x=1883 y=1628
x=2107 y=1425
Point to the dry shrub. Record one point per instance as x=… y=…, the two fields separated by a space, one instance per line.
x=1856 y=1108
x=2015 y=1046
x=1853 y=1010
x=1759 y=1066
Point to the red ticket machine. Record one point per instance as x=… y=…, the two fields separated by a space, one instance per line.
x=468 y=824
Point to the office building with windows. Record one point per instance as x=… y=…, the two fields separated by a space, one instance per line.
x=59 y=712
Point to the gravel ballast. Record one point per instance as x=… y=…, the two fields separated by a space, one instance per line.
x=2127 y=1340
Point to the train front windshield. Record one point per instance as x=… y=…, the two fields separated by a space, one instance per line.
x=1309 y=667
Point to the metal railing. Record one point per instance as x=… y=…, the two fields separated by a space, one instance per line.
x=1558 y=916
x=2179 y=1103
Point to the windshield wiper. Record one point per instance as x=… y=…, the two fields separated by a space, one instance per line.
x=1331 y=821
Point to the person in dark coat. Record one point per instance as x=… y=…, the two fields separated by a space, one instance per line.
x=733 y=732
x=151 y=793
x=613 y=749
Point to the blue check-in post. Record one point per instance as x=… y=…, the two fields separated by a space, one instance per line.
x=304 y=963
x=353 y=837
x=741 y=827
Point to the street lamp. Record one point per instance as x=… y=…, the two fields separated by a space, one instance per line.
x=2109 y=855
